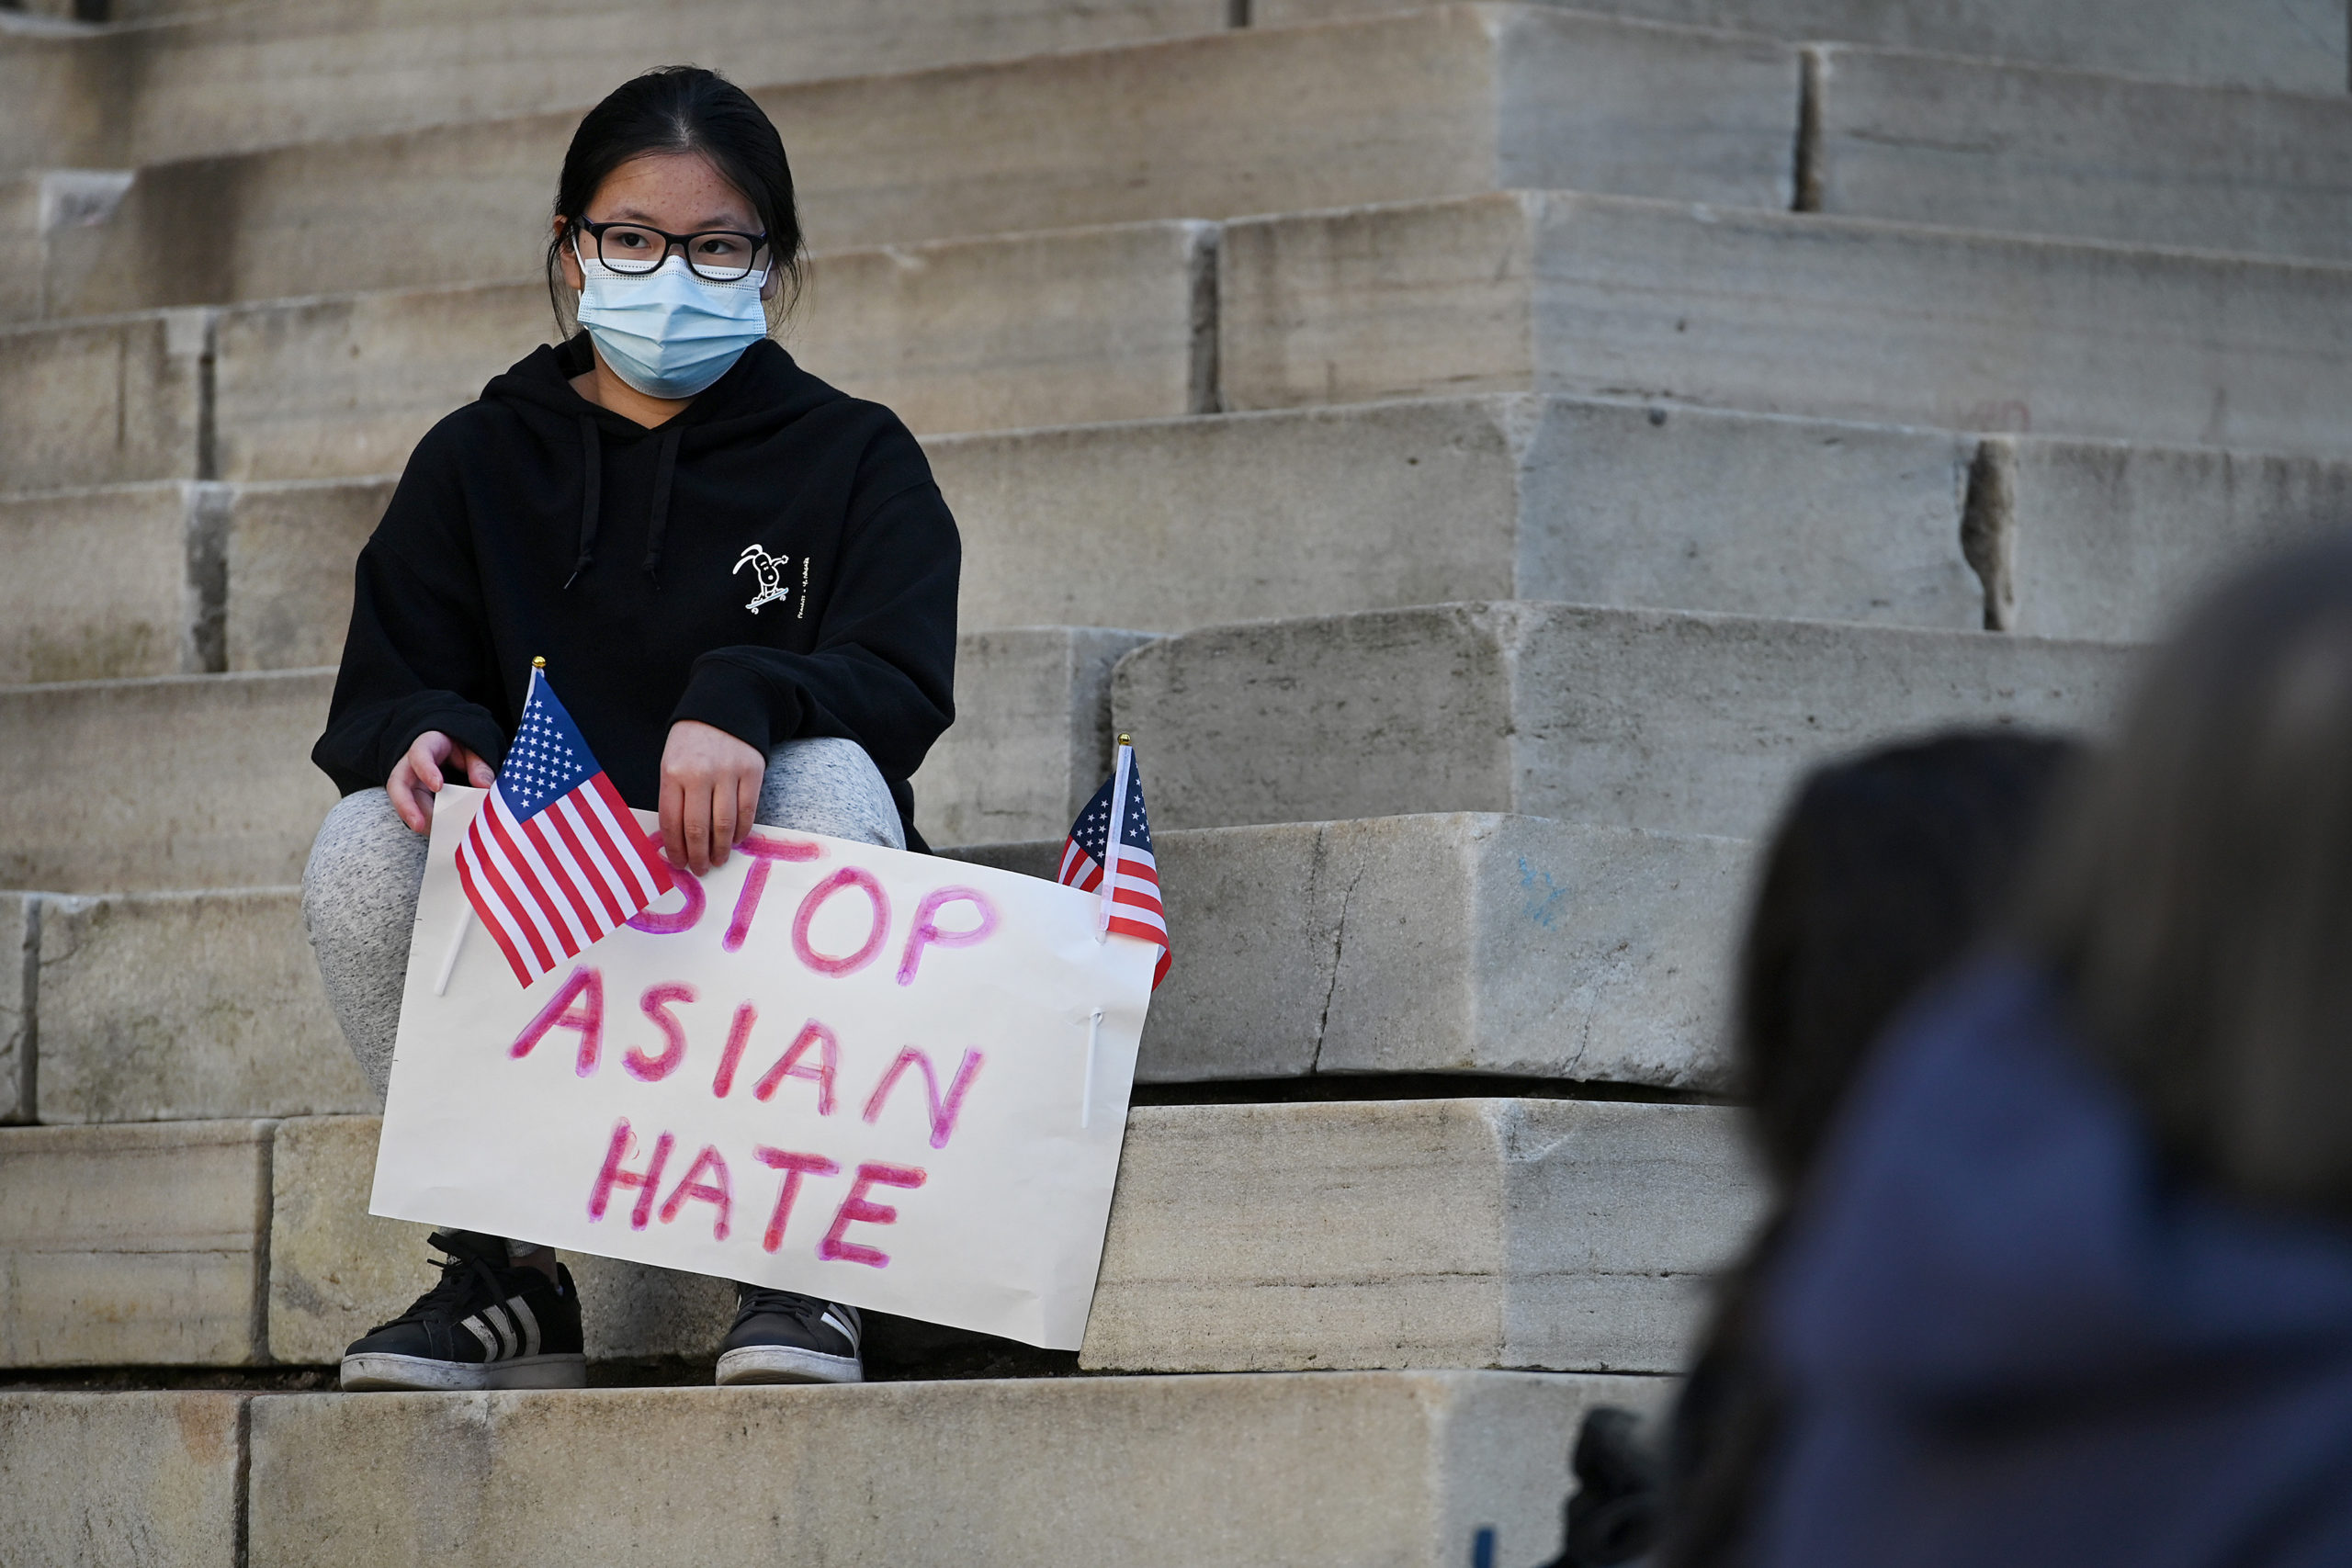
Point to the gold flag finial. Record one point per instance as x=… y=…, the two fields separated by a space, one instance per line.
x=1125 y=739
x=538 y=663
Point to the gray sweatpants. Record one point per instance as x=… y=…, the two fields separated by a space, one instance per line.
x=359 y=889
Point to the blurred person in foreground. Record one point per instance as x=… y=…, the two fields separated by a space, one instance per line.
x=2073 y=1282
x=1883 y=871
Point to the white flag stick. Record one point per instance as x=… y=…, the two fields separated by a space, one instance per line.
x=1119 y=771
x=1086 y=1095
x=457 y=943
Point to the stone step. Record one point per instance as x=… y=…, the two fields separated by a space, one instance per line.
x=1402 y=946
x=135 y=1245
x=1561 y=1233
x=1439 y=103
x=1413 y=1470
x=2299 y=45
x=123 y=1478
x=259 y=75
x=1051 y=329
x=206 y=781
x=1981 y=144
x=1667 y=720
x=1790 y=313
x=1313 y=512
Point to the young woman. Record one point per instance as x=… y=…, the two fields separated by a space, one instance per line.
x=597 y=505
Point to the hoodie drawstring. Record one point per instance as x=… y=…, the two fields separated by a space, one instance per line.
x=591 y=496
x=664 y=465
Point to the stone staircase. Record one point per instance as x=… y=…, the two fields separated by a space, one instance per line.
x=1481 y=451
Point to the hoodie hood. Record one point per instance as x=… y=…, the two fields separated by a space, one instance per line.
x=2010 y=1332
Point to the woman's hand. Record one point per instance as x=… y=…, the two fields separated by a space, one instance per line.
x=710 y=793
x=417 y=776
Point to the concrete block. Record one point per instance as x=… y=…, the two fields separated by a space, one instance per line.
x=1102 y=323
x=133 y=1246
x=122 y=1480
x=182 y=783
x=1980 y=144
x=1467 y=1232
x=1522 y=1233
x=2295 y=44
x=1439 y=102
x=336 y=1271
x=1031 y=738
x=1425 y=944
x=1174 y=523
x=109 y=582
x=1787 y=313
x=104 y=402
x=1048 y=1473
x=1674 y=721
x=161 y=1006
x=19 y=983
x=2109 y=541
x=268 y=74
x=289 y=550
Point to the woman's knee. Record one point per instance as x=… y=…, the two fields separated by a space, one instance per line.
x=365 y=866
x=830 y=786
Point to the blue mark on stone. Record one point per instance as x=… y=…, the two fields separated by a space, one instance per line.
x=1540 y=910
x=1482 y=1548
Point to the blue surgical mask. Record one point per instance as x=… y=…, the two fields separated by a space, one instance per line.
x=667 y=333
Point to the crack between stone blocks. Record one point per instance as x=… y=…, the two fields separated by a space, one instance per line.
x=28 y=998
x=1806 y=178
x=241 y=1526
x=1339 y=949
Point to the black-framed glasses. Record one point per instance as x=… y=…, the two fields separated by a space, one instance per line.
x=716 y=256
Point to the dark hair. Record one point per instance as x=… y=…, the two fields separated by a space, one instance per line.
x=2197 y=907
x=683 y=109
x=1884 y=871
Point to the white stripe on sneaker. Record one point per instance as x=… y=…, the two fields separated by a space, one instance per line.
x=832 y=1316
x=530 y=1321
x=490 y=1341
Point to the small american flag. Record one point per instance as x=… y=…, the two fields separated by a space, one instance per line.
x=554 y=860
x=1131 y=899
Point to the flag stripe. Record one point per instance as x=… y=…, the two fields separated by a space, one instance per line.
x=584 y=915
x=497 y=928
x=591 y=816
x=648 y=855
x=560 y=816
x=504 y=858
x=505 y=902
x=551 y=914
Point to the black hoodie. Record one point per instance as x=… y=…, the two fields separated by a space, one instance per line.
x=774 y=561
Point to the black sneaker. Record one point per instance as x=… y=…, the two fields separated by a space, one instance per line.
x=486 y=1325
x=783 y=1337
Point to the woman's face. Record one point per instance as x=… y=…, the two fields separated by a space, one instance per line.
x=679 y=193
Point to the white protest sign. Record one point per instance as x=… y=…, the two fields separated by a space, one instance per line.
x=875 y=1076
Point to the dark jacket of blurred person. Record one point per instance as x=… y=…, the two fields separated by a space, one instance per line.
x=2073 y=1283
x=1883 y=872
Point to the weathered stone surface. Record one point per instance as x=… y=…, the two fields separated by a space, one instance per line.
x=1980 y=144
x=1047 y=1472
x=2110 y=541
x=1419 y=944
x=1522 y=1233
x=1172 y=524
x=1477 y=1233
x=1784 y=313
x=1031 y=738
x=133 y=1246
x=106 y=582
x=336 y=1271
x=1032 y=330
x=289 y=550
x=182 y=783
x=1439 y=103
x=166 y=1006
x=19 y=952
x=2297 y=44
x=1682 y=722
x=104 y=403
x=268 y=74
x=122 y=1479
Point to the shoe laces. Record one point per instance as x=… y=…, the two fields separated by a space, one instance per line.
x=466 y=1278
x=807 y=1310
